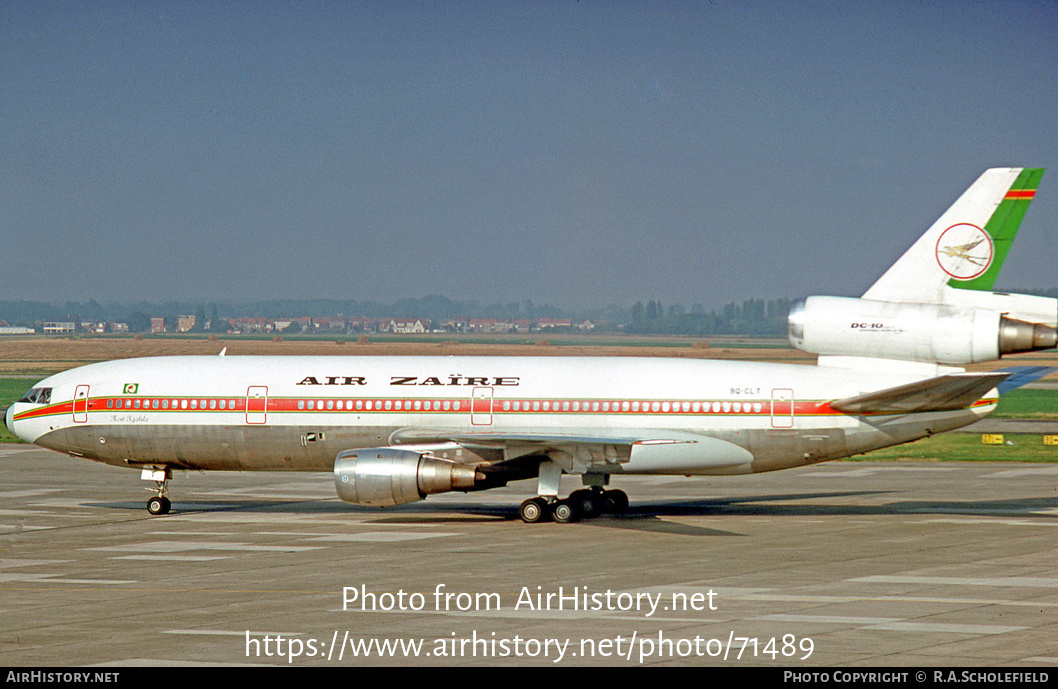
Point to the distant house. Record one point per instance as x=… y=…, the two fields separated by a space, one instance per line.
x=6 y=329
x=459 y=324
x=402 y=326
x=489 y=325
x=59 y=328
x=252 y=325
x=367 y=325
x=157 y=325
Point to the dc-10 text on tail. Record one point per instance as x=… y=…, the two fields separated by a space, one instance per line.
x=394 y=430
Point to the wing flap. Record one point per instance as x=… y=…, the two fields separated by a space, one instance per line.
x=944 y=393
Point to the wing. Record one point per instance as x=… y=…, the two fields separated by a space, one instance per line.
x=585 y=450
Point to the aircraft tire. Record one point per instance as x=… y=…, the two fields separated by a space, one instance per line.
x=533 y=510
x=565 y=511
x=589 y=502
x=615 y=501
x=158 y=505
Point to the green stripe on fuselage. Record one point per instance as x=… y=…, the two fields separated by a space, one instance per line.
x=1002 y=227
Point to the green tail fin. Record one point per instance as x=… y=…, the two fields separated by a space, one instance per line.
x=1003 y=226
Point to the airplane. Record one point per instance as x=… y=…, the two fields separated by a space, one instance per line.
x=394 y=430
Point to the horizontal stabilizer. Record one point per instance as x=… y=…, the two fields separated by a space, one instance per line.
x=945 y=393
x=1022 y=375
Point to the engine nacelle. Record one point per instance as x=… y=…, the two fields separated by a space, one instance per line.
x=386 y=476
x=932 y=333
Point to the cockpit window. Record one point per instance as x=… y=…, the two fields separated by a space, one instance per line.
x=37 y=396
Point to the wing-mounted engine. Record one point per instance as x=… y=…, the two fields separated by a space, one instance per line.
x=930 y=333
x=384 y=476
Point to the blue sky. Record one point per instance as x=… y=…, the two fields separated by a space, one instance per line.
x=576 y=153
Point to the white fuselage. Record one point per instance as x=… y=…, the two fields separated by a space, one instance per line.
x=296 y=413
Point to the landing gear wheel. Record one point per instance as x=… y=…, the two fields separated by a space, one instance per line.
x=615 y=501
x=589 y=502
x=159 y=504
x=533 y=510
x=565 y=511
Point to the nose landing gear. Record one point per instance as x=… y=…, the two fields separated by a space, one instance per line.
x=159 y=504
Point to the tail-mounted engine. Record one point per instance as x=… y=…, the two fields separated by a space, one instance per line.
x=932 y=333
x=386 y=476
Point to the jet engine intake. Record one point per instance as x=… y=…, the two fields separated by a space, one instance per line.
x=385 y=476
x=932 y=333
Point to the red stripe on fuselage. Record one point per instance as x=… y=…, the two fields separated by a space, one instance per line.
x=506 y=406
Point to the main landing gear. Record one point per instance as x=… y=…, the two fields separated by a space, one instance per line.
x=590 y=501
x=159 y=504
x=581 y=504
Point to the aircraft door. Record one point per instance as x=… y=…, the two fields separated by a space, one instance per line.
x=481 y=407
x=782 y=413
x=80 y=404
x=256 y=404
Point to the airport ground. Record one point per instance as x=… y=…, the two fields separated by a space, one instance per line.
x=850 y=563
x=838 y=564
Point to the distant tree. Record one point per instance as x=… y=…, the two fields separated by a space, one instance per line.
x=637 y=315
x=139 y=322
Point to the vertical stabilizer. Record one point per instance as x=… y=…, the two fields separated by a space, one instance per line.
x=966 y=247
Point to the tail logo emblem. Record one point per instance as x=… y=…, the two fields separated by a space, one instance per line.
x=965 y=251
